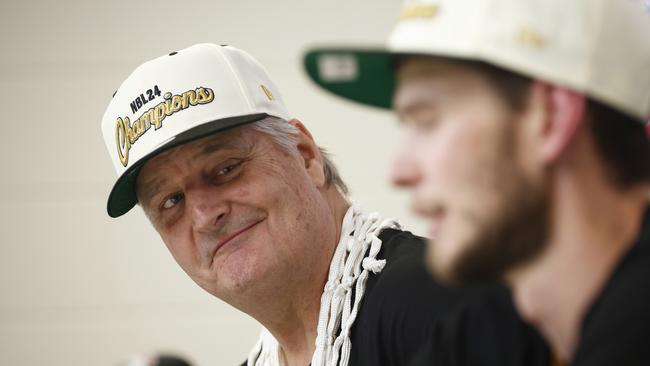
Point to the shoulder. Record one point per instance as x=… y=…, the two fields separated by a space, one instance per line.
x=401 y=243
x=405 y=281
x=406 y=310
x=469 y=326
x=405 y=257
x=400 y=305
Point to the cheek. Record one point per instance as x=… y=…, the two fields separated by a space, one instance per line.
x=448 y=156
x=259 y=189
x=298 y=216
x=180 y=244
x=465 y=174
x=286 y=187
x=280 y=191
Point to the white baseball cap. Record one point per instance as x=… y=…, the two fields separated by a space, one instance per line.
x=598 y=47
x=177 y=98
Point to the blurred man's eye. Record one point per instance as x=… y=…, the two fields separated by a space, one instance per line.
x=425 y=124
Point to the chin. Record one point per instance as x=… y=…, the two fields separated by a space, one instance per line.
x=247 y=272
x=228 y=280
x=452 y=257
x=229 y=287
x=239 y=277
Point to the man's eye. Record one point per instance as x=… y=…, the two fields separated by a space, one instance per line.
x=172 y=200
x=228 y=169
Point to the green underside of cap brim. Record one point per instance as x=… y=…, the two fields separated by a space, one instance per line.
x=123 y=195
x=373 y=82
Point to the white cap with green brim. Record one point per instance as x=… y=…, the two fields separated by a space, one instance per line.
x=177 y=98
x=598 y=47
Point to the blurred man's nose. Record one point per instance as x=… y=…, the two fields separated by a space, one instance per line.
x=404 y=171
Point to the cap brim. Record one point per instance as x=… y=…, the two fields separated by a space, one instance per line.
x=367 y=75
x=123 y=196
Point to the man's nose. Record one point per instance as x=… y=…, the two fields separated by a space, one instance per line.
x=207 y=207
x=404 y=171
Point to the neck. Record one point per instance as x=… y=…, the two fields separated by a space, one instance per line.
x=292 y=318
x=296 y=333
x=592 y=226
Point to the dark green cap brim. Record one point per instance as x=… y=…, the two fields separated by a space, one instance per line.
x=123 y=196
x=374 y=81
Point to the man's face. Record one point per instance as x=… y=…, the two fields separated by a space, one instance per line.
x=237 y=212
x=465 y=160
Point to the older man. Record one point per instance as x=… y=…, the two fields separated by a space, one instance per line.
x=256 y=214
x=527 y=153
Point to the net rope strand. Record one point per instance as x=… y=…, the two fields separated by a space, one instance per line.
x=353 y=260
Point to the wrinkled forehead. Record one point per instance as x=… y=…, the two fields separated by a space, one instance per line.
x=240 y=139
x=234 y=139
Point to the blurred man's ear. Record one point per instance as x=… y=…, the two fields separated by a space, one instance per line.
x=562 y=115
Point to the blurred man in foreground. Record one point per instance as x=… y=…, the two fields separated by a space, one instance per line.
x=526 y=152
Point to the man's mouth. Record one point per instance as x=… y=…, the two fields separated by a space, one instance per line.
x=229 y=237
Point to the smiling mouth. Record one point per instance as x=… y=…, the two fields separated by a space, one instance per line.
x=232 y=235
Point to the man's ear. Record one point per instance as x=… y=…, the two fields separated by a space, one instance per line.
x=564 y=115
x=310 y=153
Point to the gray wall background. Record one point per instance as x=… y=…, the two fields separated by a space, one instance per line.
x=79 y=288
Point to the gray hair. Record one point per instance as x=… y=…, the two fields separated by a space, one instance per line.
x=285 y=134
